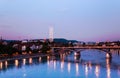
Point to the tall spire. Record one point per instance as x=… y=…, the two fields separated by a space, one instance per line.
x=51 y=36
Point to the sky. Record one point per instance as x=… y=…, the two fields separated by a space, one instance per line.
x=83 y=20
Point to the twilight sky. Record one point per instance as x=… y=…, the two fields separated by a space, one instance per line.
x=83 y=20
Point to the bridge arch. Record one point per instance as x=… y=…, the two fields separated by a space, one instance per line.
x=79 y=50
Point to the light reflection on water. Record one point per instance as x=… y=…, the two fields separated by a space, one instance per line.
x=108 y=68
x=91 y=64
x=77 y=69
x=97 y=71
x=6 y=64
x=30 y=60
x=62 y=65
x=16 y=63
x=1 y=65
x=24 y=61
x=86 y=70
x=39 y=59
x=69 y=67
x=54 y=63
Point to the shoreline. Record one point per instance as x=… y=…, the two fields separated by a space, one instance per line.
x=8 y=58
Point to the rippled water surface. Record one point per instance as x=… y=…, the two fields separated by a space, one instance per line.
x=91 y=64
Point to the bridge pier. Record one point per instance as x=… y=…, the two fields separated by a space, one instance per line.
x=77 y=54
x=109 y=55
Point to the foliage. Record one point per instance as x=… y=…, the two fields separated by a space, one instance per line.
x=6 y=49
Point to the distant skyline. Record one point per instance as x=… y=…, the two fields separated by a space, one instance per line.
x=82 y=20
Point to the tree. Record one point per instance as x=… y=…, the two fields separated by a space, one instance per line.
x=45 y=48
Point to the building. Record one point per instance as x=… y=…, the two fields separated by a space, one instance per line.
x=51 y=36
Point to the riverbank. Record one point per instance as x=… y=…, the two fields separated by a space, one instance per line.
x=8 y=58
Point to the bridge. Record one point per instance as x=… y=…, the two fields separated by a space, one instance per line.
x=89 y=47
x=80 y=48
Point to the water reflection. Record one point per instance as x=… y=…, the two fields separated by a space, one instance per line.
x=48 y=58
x=48 y=61
x=108 y=61
x=115 y=52
x=90 y=65
x=77 y=69
x=16 y=63
x=24 y=71
x=6 y=64
x=30 y=60
x=62 y=56
x=86 y=70
x=1 y=65
x=97 y=71
x=77 y=58
x=68 y=65
x=108 y=67
x=62 y=64
x=54 y=64
x=119 y=71
x=39 y=59
x=24 y=61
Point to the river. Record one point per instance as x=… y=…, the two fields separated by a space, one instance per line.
x=91 y=64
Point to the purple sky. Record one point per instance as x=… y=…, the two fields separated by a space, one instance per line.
x=83 y=20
